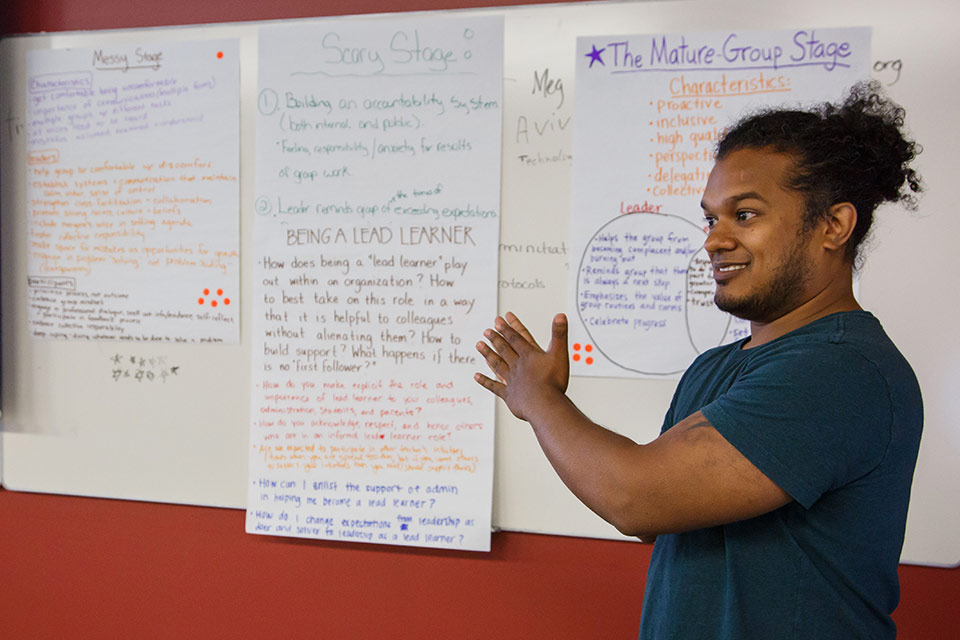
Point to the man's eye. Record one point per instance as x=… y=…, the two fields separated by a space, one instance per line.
x=743 y=215
x=709 y=222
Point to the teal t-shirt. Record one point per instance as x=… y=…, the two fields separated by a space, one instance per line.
x=832 y=414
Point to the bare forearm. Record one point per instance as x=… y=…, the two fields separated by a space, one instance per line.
x=599 y=466
x=688 y=478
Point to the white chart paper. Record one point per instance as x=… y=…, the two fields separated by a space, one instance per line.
x=649 y=112
x=376 y=237
x=132 y=183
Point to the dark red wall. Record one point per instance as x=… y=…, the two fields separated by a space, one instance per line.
x=84 y=568
x=31 y=16
x=87 y=568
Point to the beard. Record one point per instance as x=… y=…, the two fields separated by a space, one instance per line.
x=776 y=297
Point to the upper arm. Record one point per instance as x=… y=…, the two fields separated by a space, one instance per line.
x=776 y=436
x=694 y=478
x=772 y=437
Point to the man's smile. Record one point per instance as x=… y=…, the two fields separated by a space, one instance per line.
x=726 y=270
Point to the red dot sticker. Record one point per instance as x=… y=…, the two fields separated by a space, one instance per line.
x=588 y=348
x=226 y=301
x=199 y=300
x=589 y=360
x=576 y=357
x=219 y=292
x=206 y=292
x=576 y=346
x=219 y=54
x=213 y=303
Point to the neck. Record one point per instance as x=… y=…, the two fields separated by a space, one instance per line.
x=835 y=296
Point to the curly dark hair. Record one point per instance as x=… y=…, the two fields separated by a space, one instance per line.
x=853 y=152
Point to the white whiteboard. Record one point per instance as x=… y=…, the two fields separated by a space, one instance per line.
x=70 y=428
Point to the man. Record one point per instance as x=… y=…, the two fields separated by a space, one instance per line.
x=777 y=491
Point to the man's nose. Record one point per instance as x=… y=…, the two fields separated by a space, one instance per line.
x=720 y=238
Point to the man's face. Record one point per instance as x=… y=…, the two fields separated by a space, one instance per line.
x=763 y=262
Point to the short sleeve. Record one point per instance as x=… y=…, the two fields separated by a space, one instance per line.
x=668 y=418
x=811 y=418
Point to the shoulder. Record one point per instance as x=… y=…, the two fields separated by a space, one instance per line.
x=712 y=359
x=851 y=345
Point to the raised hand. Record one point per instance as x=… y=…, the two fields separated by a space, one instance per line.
x=527 y=376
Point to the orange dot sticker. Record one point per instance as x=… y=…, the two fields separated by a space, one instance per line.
x=214 y=301
x=576 y=355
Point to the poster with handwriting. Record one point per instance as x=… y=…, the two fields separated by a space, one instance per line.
x=537 y=159
x=650 y=110
x=132 y=185
x=377 y=223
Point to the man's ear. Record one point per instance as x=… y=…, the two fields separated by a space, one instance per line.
x=840 y=221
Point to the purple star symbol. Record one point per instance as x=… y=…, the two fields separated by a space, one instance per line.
x=595 y=55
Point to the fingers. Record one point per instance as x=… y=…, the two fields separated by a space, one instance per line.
x=515 y=324
x=508 y=339
x=517 y=341
x=500 y=342
x=497 y=364
x=497 y=388
x=558 y=336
